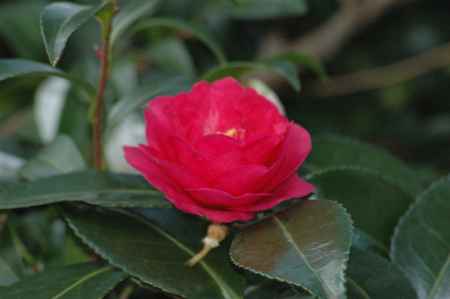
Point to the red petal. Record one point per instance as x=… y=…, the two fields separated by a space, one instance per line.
x=293 y=152
x=293 y=187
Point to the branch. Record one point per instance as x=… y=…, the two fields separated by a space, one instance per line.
x=327 y=39
x=385 y=76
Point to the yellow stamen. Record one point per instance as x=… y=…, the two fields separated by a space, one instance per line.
x=231 y=133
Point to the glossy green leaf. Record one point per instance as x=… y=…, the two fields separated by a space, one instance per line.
x=156 y=256
x=421 y=243
x=374 y=201
x=129 y=12
x=104 y=189
x=58 y=22
x=236 y=69
x=331 y=151
x=11 y=68
x=61 y=156
x=81 y=281
x=306 y=246
x=370 y=276
x=262 y=9
x=186 y=27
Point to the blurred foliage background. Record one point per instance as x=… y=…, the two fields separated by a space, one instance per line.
x=387 y=65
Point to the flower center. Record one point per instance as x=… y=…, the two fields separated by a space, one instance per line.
x=231 y=133
x=236 y=133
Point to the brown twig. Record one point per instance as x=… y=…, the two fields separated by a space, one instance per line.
x=384 y=76
x=328 y=38
x=325 y=41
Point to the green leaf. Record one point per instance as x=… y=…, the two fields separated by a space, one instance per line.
x=421 y=243
x=49 y=101
x=262 y=9
x=11 y=68
x=19 y=30
x=172 y=56
x=236 y=69
x=81 y=281
x=306 y=246
x=61 y=156
x=58 y=22
x=9 y=165
x=185 y=27
x=370 y=276
x=156 y=256
x=270 y=289
x=304 y=60
x=129 y=12
x=331 y=151
x=104 y=189
x=364 y=242
x=7 y=275
x=374 y=201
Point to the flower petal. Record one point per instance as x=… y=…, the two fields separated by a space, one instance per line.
x=293 y=187
x=293 y=152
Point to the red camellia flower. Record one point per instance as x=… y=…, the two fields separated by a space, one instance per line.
x=221 y=151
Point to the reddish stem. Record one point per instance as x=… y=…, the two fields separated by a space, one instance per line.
x=97 y=128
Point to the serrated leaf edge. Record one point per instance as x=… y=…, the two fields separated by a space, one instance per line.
x=341 y=272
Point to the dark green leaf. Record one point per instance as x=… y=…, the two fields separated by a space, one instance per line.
x=364 y=242
x=185 y=27
x=374 y=201
x=370 y=276
x=155 y=256
x=10 y=68
x=82 y=281
x=421 y=243
x=104 y=189
x=332 y=151
x=19 y=30
x=236 y=69
x=307 y=246
x=270 y=289
x=58 y=22
x=61 y=156
x=261 y=9
x=129 y=12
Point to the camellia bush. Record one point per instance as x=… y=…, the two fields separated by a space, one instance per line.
x=165 y=178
